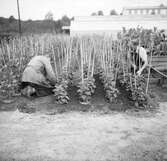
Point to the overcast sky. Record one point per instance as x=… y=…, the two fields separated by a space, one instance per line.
x=36 y=9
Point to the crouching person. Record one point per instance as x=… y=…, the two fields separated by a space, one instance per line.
x=38 y=78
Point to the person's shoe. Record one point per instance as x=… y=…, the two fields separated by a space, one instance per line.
x=28 y=91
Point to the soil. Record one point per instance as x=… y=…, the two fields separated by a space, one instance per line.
x=48 y=131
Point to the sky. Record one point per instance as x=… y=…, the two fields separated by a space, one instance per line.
x=37 y=9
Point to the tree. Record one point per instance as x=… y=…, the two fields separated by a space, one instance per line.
x=48 y=24
x=113 y=12
x=29 y=20
x=94 y=14
x=100 y=13
x=161 y=5
x=58 y=26
x=49 y=16
x=11 y=19
x=65 y=21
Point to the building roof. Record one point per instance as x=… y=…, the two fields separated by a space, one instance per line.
x=83 y=19
x=146 y=7
x=101 y=25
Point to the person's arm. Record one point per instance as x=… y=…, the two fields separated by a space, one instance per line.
x=142 y=68
x=143 y=56
x=131 y=62
x=49 y=72
x=133 y=65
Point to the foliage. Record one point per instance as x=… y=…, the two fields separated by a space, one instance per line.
x=153 y=40
x=100 y=13
x=49 y=16
x=60 y=92
x=77 y=59
x=94 y=14
x=65 y=21
x=48 y=25
x=11 y=19
x=135 y=86
x=113 y=12
x=109 y=84
x=86 y=89
x=9 y=80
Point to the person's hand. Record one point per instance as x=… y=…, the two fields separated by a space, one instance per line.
x=139 y=73
x=134 y=66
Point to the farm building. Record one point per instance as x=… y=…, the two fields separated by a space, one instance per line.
x=132 y=17
x=145 y=10
x=112 y=24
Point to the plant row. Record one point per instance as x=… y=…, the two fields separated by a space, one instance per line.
x=76 y=60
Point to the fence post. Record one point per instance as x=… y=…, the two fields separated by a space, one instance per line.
x=18 y=9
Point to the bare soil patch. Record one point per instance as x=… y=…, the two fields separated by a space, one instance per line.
x=84 y=136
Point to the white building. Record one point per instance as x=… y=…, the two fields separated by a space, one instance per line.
x=112 y=24
x=145 y=10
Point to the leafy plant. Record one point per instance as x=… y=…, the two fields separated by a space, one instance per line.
x=144 y=37
x=135 y=87
x=86 y=89
x=9 y=81
x=77 y=59
x=60 y=92
x=109 y=84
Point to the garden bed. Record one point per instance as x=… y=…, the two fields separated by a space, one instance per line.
x=99 y=103
x=76 y=62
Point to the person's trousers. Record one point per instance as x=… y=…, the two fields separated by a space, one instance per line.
x=40 y=90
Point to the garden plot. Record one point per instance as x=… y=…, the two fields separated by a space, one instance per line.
x=76 y=61
x=78 y=121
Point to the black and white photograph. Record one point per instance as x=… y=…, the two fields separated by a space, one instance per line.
x=83 y=80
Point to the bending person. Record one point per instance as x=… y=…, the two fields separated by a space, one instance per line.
x=38 y=77
x=139 y=60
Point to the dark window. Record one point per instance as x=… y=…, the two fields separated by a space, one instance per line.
x=141 y=11
x=153 y=12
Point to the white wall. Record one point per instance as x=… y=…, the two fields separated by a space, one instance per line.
x=111 y=24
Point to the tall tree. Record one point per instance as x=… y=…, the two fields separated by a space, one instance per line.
x=49 y=16
x=11 y=19
x=65 y=21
